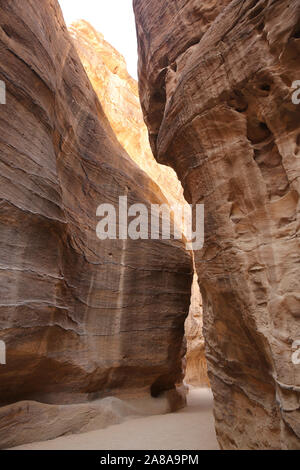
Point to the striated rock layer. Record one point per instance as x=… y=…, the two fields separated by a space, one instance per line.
x=81 y=318
x=215 y=85
x=119 y=97
x=118 y=94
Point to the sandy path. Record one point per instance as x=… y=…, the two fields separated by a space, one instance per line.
x=189 y=429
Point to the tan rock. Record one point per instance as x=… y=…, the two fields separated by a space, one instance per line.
x=217 y=99
x=37 y=422
x=82 y=319
x=119 y=96
x=196 y=367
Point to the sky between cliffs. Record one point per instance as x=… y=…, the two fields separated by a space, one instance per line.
x=113 y=18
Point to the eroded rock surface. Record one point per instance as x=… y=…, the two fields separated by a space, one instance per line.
x=215 y=85
x=81 y=319
x=119 y=97
x=118 y=94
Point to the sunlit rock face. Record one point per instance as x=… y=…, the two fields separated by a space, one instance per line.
x=196 y=367
x=215 y=85
x=118 y=94
x=119 y=97
x=81 y=318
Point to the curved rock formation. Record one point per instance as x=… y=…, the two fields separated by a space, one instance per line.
x=215 y=86
x=118 y=94
x=81 y=318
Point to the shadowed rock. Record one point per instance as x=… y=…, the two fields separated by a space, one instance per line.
x=81 y=318
x=215 y=85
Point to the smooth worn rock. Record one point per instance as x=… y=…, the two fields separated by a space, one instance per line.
x=118 y=94
x=119 y=97
x=216 y=91
x=81 y=318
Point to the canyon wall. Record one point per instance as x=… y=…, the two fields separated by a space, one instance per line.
x=82 y=319
x=119 y=97
x=215 y=82
x=196 y=367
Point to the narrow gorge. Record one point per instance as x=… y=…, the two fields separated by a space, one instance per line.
x=118 y=94
x=121 y=330
x=91 y=327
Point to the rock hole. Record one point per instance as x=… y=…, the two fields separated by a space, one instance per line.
x=296 y=35
x=264 y=127
x=238 y=102
x=258 y=131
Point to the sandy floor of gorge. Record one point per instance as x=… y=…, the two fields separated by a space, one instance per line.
x=189 y=429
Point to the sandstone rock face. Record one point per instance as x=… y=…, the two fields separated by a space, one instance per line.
x=215 y=85
x=196 y=367
x=81 y=318
x=118 y=94
x=119 y=97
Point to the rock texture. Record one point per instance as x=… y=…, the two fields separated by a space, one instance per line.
x=118 y=94
x=196 y=367
x=119 y=97
x=215 y=85
x=81 y=319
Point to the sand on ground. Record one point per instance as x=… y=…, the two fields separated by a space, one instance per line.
x=191 y=428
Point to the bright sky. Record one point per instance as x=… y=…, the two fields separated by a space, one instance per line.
x=113 y=18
